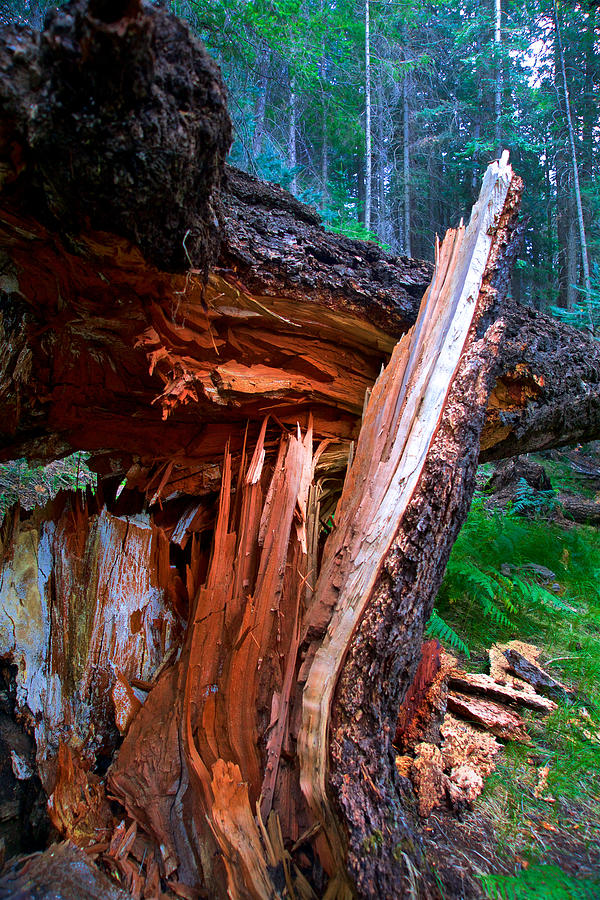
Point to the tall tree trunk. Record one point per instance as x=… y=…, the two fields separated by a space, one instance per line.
x=292 y=136
x=360 y=186
x=368 y=142
x=499 y=74
x=384 y=227
x=566 y=232
x=406 y=166
x=324 y=137
x=574 y=165
x=324 y=155
x=260 y=105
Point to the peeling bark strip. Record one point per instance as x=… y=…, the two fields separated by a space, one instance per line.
x=414 y=423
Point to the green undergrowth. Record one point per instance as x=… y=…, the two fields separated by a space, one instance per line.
x=515 y=577
x=540 y=883
x=33 y=485
x=510 y=576
x=560 y=472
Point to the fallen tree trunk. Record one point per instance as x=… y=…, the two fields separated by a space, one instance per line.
x=313 y=315
x=225 y=374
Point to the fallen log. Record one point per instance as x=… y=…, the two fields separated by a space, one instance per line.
x=579 y=509
x=507 y=481
x=291 y=316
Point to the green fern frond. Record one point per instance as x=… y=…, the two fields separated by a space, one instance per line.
x=532 y=594
x=540 y=883
x=495 y=614
x=469 y=572
x=437 y=628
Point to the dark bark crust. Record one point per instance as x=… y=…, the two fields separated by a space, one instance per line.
x=277 y=247
x=548 y=392
x=125 y=106
x=381 y=662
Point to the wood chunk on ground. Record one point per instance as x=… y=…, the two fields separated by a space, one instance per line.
x=404 y=765
x=464 y=785
x=428 y=778
x=456 y=770
x=500 y=670
x=537 y=677
x=471 y=683
x=64 y=871
x=539 y=791
x=466 y=745
x=500 y=721
x=469 y=757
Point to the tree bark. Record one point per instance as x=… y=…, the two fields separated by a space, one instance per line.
x=248 y=612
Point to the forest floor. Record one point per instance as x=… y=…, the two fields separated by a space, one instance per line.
x=525 y=572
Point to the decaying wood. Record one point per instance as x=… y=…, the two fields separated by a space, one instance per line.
x=473 y=683
x=425 y=696
x=450 y=744
x=497 y=719
x=537 y=677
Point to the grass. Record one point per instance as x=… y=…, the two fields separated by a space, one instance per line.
x=515 y=577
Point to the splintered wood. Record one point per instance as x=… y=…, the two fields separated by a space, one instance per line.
x=230 y=693
x=398 y=427
x=223 y=773
x=80 y=597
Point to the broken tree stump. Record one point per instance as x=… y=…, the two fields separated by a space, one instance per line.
x=263 y=723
